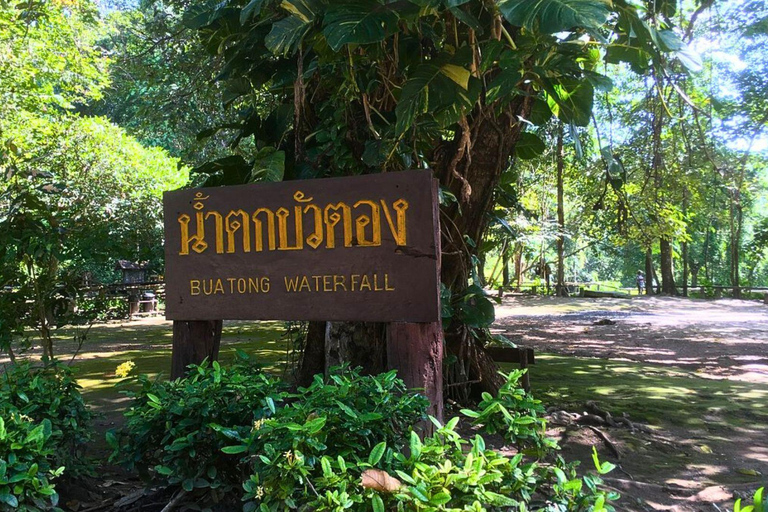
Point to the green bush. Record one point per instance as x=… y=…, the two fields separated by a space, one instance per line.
x=514 y=414
x=26 y=448
x=171 y=435
x=50 y=392
x=310 y=449
x=439 y=473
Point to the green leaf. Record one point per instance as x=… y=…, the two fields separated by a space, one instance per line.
x=458 y=74
x=377 y=503
x=570 y=99
x=188 y=484
x=251 y=9
x=361 y=22
x=550 y=16
x=164 y=470
x=529 y=146
x=377 y=453
x=235 y=449
x=10 y=500
x=438 y=89
x=285 y=35
x=269 y=166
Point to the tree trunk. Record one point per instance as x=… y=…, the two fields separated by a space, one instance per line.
x=505 y=270
x=416 y=350
x=560 y=290
x=193 y=342
x=667 y=269
x=685 y=269
x=481 y=270
x=518 y=267
x=736 y=220
x=695 y=267
x=649 y=272
x=470 y=167
x=361 y=344
x=313 y=355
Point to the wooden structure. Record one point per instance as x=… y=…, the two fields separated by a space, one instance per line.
x=364 y=248
x=520 y=355
x=133 y=272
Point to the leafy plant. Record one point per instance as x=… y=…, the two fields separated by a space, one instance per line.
x=26 y=448
x=172 y=431
x=514 y=414
x=50 y=393
x=758 y=503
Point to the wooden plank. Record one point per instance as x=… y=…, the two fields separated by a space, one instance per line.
x=416 y=349
x=193 y=342
x=337 y=249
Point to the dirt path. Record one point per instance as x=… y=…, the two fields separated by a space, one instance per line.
x=717 y=339
x=702 y=366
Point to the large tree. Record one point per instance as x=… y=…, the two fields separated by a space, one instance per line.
x=362 y=86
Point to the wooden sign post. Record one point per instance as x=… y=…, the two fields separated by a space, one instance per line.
x=364 y=248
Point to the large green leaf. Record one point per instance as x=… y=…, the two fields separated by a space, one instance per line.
x=529 y=146
x=549 y=16
x=285 y=35
x=358 y=23
x=435 y=88
x=268 y=165
x=570 y=99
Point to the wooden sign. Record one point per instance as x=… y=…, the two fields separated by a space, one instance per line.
x=361 y=248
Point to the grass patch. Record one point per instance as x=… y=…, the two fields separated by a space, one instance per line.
x=108 y=346
x=652 y=393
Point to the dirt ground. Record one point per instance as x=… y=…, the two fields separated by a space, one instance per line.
x=709 y=357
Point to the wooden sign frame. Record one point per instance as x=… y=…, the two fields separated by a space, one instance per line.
x=383 y=225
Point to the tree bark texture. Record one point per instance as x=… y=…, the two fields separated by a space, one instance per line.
x=685 y=269
x=193 y=342
x=649 y=272
x=667 y=270
x=470 y=167
x=505 y=270
x=313 y=355
x=361 y=344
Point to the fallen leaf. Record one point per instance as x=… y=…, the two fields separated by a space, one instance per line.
x=379 y=480
x=748 y=472
x=705 y=449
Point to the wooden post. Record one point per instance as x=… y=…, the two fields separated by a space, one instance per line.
x=416 y=349
x=193 y=341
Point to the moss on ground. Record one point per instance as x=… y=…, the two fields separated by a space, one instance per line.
x=655 y=394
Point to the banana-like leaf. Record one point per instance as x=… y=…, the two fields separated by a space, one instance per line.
x=550 y=16
x=358 y=23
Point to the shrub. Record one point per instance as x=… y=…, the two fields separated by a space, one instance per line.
x=26 y=447
x=341 y=418
x=436 y=474
x=171 y=435
x=514 y=414
x=50 y=392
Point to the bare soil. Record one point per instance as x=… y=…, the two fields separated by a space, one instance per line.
x=718 y=350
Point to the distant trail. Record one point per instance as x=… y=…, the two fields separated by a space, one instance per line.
x=719 y=338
